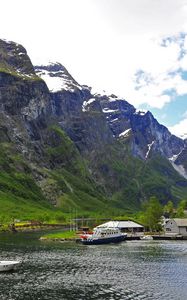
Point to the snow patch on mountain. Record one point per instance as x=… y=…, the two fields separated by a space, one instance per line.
x=107 y=110
x=87 y=103
x=183 y=136
x=140 y=112
x=149 y=149
x=23 y=74
x=54 y=84
x=57 y=78
x=174 y=157
x=7 y=41
x=125 y=133
x=110 y=97
x=114 y=120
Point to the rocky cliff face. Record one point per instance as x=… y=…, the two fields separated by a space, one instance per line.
x=24 y=99
x=179 y=161
x=74 y=109
x=14 y=60
x=72 y=101
x=83 y=150
x=108 y=131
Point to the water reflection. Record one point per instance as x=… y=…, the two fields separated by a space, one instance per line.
x=130 y=270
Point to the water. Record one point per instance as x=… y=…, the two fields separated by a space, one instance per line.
x=67 y=271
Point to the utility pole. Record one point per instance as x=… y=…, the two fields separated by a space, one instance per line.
x=70 y=227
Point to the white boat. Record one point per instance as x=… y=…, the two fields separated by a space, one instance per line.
x=103 y=235
x=9 y=265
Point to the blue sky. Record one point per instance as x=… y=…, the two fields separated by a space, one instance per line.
x=172 y=113
x=171 y=84
x=136 y=49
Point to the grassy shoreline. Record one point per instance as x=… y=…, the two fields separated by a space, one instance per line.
x=60 y=236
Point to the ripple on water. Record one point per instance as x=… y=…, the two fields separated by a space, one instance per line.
x=131 y=270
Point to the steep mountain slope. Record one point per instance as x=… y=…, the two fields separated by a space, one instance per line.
x=64 y=149
x=40 y=156
x=179 y=161
x=75 y=102
x=119 y=144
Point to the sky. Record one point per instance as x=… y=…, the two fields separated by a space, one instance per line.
x=135 y=49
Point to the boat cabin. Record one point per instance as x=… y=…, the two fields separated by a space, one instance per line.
x=123 y=226
x=103 y=232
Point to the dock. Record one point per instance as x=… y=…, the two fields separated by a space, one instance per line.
x=169 y=237
x=135 y=237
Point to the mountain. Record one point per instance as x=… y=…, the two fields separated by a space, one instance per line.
x=179 y=161
x=64 y=148
x=121 y=118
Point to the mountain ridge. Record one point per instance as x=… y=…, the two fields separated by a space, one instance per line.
x=116 y=108
x=90 y=152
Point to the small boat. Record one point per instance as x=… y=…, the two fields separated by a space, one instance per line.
x=103 y=235
x=9 y=265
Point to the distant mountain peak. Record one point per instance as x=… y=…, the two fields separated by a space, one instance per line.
x=14 y=60
x=183 y=136
x=141 y=112
x=57 y=77
x=110 y=97
x=52 y=67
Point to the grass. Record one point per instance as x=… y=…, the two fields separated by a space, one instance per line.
x=20 y=196
x=22 y=76
x=61 y=235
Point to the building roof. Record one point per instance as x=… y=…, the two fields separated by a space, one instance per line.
x=120 y=224
x=181 y=222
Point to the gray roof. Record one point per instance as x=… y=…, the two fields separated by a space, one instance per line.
x=181 y=222
x=120 y=224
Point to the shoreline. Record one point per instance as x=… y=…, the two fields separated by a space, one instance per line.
x=45 y=239
x=128 y=238
x=34 y=228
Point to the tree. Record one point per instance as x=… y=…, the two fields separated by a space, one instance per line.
x=152 y=214
x=169 y=208
x=180 y=209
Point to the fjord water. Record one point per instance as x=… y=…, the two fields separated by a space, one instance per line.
x=67 y=271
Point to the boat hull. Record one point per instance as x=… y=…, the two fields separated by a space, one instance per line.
x=9 y=265
x=100 y=241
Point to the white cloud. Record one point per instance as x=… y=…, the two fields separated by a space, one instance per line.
x=180 y=129
x=105 y=43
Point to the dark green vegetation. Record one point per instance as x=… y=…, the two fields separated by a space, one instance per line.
x=152 y=211
x=68 y=181
x=132 y=181
x=20 y=196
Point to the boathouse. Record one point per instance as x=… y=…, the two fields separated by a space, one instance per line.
x=124 y=226
x=176 y=226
